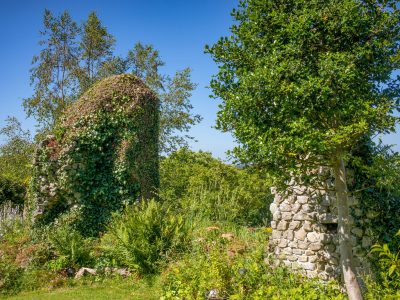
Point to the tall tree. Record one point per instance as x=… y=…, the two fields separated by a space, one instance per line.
x=144 y=61
x=303 y=82
x=53 y=74
x=176 y=116
x=73 y=58
x=96 y=49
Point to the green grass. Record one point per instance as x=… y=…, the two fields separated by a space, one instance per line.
x=142 y=290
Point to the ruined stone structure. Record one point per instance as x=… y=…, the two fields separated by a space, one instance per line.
x=304 y=232
x=103 y=155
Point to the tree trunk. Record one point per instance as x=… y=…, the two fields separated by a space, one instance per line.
x=345 y=248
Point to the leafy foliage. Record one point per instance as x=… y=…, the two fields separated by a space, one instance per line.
x=389 y=263
x=302 y=84
x=16 y=152
x=70 y=247
x=374 y=180
x=303 y=80
x=53 y=75
x=105 y=154
x=74 y=57
x=235 y=269
x=203 y=187
x=144 y=235
x=174 y=92
x=11 y=192
x=96 y=50
x=21 y=257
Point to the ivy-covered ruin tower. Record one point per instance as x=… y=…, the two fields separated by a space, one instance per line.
x=102 y=155
x=304 y=232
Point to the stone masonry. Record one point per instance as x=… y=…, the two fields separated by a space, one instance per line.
x=304 y=233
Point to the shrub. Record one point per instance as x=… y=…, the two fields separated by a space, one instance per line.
x=70 y=248
x=21 y=258
x=144 y=235
x=389 y=264
x=11 y=218
x=204 y=187
x=11 y=191
x=234 y=268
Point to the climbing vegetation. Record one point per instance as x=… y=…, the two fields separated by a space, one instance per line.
x=104 y=153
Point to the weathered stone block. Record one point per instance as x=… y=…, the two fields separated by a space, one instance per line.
x=290 y=235
x=296 y=207
x=302 y=199
x=312 y=258
x=291 y=199
x=315 y=246
x=294 y=225
x=303 y=258
x=277 y=215
x=298 y=251
x=283 y=243
x=285 y=207
x=287 y=216
x=309 y=266
x=282 y=225
x=276 y=234
x=300 y=216
x=273 y=207
x=300 y=234
x=287 y=251
x=273 y=224
x=302 y=245
x=307 y=225
x=313 y=237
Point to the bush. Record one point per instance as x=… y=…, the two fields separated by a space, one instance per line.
x=232 y=266
x=144 y=235
x=70 y=248
x=11 y=219
x=21 y=258
x=389 y=264
x=11 y=191
x=203 y=187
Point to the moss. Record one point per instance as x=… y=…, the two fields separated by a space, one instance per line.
x=104 y=154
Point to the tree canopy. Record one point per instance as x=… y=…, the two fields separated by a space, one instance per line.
x=303 y=79
x=74 y=57
x=303 y=83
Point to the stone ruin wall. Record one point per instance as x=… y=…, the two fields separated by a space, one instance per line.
x=304 y=233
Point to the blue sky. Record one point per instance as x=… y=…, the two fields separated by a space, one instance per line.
x=179 y=29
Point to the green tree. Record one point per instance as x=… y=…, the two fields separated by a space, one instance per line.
x=176 y=116
x=302 y=83
x=16 y=153
x=74 y=57
x=205 y=189
x=53 y=74
x=96 y=49
x=144 y=61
